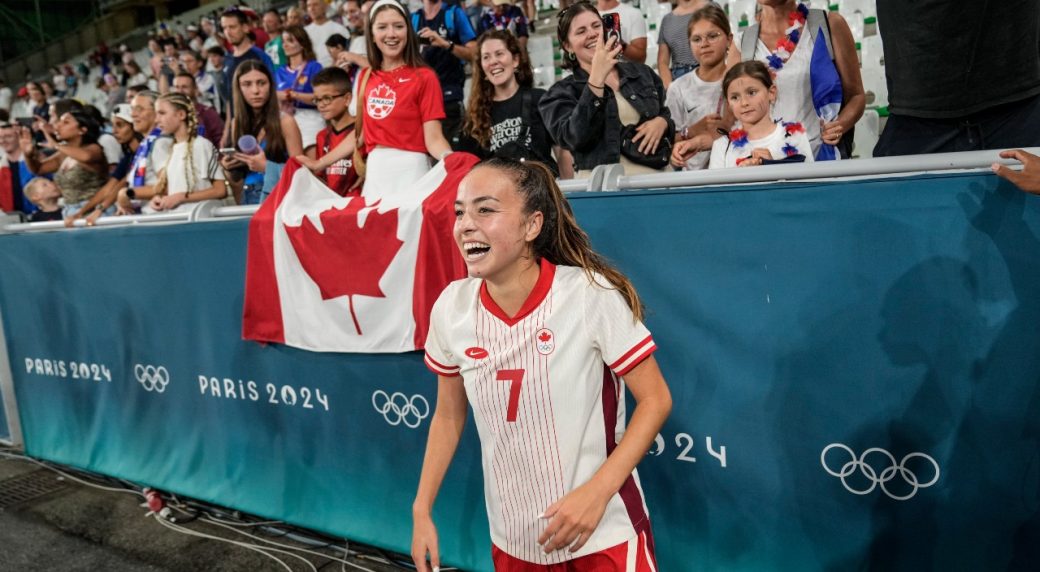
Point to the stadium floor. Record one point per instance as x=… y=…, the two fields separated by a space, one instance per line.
x=63 y=525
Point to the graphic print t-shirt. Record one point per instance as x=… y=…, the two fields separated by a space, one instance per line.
x=508 y=125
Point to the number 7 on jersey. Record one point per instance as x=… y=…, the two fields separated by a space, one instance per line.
x=515 y=377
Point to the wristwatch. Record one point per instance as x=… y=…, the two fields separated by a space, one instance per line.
x=130 y=194
x=451 y=45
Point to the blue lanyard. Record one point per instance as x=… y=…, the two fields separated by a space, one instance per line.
x=141 y=157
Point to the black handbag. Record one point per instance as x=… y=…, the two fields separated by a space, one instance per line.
x=630 y=150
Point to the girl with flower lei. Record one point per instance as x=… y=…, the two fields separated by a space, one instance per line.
x=758 y=137
x=785 y=44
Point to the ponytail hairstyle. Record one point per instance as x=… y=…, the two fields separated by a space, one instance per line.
x=180 y=102
x=561 y=241
x=482 y=95
x=247 y=121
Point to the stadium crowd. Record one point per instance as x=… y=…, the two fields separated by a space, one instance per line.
x=367 y=93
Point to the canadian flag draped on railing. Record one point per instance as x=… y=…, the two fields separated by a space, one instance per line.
x=342 y=274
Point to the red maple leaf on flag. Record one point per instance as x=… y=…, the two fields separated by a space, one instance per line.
x=545 y=336
x=347 y=259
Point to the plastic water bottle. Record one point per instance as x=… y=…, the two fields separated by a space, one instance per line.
x=248 y=145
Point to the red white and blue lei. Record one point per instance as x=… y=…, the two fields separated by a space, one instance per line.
x=739 y=139
x=785 y=46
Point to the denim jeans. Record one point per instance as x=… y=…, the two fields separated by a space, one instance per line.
x=679 y=71
x=254 y=194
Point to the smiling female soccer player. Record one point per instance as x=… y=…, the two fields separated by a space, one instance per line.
x=536 y=341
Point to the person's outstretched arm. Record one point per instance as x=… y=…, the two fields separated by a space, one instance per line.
x=449 y=418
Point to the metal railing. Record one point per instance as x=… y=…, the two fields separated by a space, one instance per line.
x=612 y=178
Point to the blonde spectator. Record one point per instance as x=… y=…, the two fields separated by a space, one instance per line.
x=43 y=193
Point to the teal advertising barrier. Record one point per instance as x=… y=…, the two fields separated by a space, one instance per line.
x=855 y=368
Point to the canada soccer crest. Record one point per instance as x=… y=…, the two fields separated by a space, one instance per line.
x=544 y=341
x=381 y=101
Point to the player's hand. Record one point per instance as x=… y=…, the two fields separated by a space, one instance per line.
x=1028 y=179
x=573 y=519
x=424 y=541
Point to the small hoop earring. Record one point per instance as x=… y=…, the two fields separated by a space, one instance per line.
x=571 y=56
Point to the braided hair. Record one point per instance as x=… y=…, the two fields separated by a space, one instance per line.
x=180 y=102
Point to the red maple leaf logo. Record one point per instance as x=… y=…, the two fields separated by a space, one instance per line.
x=545 y=336
x=347 y=259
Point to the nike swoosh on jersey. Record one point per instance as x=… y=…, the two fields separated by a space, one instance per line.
x=403 y=79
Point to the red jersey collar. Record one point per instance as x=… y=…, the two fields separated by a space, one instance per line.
x=534 y=299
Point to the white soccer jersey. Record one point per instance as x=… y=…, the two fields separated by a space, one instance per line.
x=548 y=407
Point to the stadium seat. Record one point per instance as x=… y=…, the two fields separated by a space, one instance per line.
x=741 y=10
x=872 y=55
x=855 y=21
x=868 y=129
x=874 y=83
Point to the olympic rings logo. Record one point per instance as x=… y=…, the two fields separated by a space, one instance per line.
x=883 y=478
x=152 y=378
x=399 y=408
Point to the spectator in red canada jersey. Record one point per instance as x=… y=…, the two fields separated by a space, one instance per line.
x=399 y=96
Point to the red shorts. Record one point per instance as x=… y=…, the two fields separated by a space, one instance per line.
x=636 y=555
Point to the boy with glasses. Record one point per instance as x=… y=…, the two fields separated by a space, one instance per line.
x=334 y=149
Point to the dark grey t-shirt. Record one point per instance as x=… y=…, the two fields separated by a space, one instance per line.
x=953 y=58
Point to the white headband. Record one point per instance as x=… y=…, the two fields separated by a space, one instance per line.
x=381 y=3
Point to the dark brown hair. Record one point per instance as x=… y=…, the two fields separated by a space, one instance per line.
x=481 y=97
x=561 y=241
x=247 y=121
x=713 y=14
x=411 y=54
x=753 y=69
x=563 y=27
x=302 y=38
